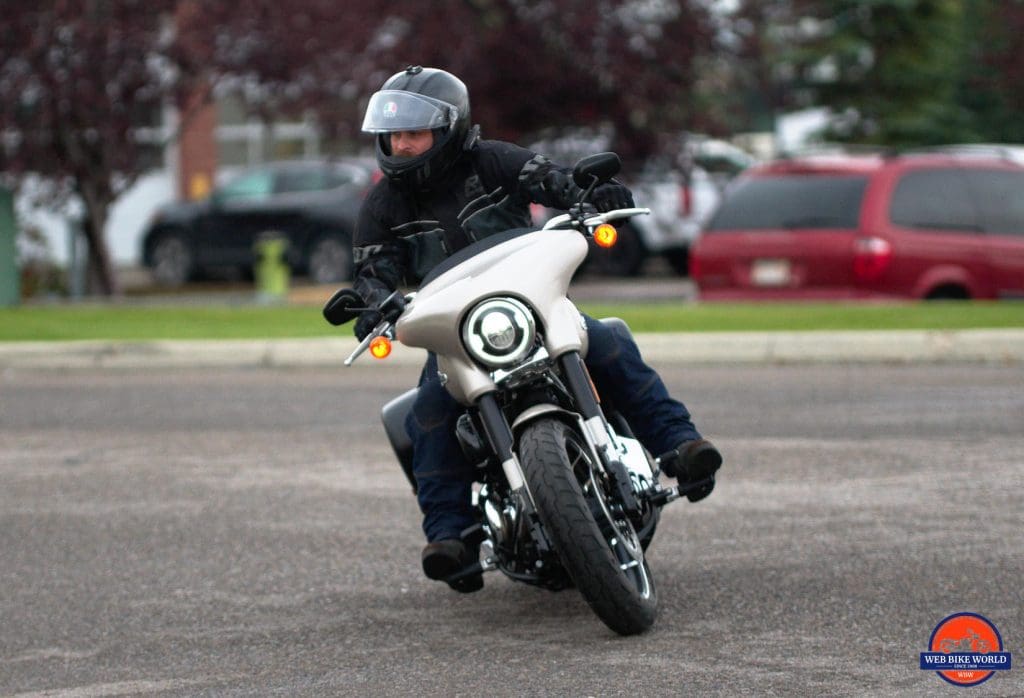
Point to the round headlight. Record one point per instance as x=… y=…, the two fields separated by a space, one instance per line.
x=499 y=332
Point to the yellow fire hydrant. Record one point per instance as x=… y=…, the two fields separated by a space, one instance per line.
x=271 y=269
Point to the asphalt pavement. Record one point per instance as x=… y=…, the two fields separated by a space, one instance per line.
x=237 y=532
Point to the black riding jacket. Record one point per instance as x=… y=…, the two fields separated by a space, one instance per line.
x=401 y=235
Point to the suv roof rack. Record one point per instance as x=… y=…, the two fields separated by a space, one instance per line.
x=1003 y=151
x=812 y=150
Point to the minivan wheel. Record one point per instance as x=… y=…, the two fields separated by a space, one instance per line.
x=171 y=260
x=330 y=260
x=948 y=293
x=679 y=259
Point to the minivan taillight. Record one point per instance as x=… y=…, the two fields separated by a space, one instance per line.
x=871 y=257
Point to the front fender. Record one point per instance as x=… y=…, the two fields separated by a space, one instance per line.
x=533 y=413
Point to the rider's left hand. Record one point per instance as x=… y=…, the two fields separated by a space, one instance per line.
x=611 y=196
x=366 y=323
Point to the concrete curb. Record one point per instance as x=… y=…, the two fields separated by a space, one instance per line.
x=898 y=346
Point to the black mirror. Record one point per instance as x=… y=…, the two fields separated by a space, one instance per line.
x=345 y=305
x=601 y=167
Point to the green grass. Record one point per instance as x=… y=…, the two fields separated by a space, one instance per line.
x=134 y=322
x=716 y=317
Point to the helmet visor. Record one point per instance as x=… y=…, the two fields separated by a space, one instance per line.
x=395 y=110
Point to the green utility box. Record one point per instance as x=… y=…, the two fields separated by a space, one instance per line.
x=10 y=285
x=271 y=269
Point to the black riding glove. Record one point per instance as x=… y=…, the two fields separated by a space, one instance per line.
x=374 y=294
x=611 y=196
x=365 y=323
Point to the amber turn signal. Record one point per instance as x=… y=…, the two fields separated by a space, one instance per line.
x=605 y=235
x=380 y=347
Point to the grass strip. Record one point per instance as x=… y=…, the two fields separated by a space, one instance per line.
x=140 y=323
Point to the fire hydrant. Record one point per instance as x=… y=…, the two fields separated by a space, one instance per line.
x=271 y=269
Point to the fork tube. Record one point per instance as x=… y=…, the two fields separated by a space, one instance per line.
x=500 y=435
x=580 y=385
x=587 y=402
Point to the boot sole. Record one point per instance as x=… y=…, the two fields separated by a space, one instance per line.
x=440 y=567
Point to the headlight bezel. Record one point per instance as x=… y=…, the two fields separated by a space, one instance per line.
x=495 y=311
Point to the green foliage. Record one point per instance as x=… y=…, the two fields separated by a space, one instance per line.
x=915 y=72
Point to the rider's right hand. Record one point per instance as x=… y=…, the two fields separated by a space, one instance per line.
x=365 y=324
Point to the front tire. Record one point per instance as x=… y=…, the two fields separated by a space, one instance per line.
x=599 y=549
x=330 y=260
x=172 y=261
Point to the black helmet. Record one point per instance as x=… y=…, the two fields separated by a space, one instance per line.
x=417 y=99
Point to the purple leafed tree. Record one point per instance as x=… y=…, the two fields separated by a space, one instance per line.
x=76 y=79
x=529 y=66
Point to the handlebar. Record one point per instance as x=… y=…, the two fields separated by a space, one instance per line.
x=386 y=327
x=594 y=220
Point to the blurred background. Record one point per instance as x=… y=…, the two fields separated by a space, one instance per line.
x=153 y=142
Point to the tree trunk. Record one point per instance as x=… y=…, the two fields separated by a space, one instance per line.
x=100 y=275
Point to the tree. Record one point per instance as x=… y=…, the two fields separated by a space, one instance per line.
x=528 y=65
x=905 y=72
x=994 y=71
x=76 y=79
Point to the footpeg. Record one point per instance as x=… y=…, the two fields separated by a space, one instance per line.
x=486 y=565
x=660 y=496
x=696 y=491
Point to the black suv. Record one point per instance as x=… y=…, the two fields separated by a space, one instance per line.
x=312 y=204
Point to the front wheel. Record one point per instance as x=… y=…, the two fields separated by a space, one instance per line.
x=330 y=260
x=171 y=260
x=597 y=545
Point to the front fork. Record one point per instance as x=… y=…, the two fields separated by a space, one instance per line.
x=499 y=434
x=588 y=403
x=501 y=439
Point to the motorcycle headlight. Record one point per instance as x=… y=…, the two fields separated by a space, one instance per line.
x=499 y=332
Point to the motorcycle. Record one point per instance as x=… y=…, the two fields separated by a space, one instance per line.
x=568 y=498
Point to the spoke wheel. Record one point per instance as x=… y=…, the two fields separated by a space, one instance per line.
x=330 y=260
x=171 y=260
x=598 y=546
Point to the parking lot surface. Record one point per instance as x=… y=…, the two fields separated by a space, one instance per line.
x=246 y=532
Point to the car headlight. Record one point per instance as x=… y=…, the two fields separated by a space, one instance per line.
x=499 y=332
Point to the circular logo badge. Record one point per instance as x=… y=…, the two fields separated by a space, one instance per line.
x=967 y=648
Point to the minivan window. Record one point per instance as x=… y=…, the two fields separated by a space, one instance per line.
x=1000 y=196
x=934 y=199
x=791 y=202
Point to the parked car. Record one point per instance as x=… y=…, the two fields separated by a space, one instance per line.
x=682 y=189
x=679 y=206
x=312 y=204
x=947 y=223
x=682 y=194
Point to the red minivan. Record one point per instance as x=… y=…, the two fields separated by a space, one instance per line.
x=927 y=225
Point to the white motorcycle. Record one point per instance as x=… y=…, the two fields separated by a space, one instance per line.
x=568 y=497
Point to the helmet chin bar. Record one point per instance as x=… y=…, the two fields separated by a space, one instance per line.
x=421 y=169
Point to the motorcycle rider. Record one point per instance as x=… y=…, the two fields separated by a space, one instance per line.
x=444 y=188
